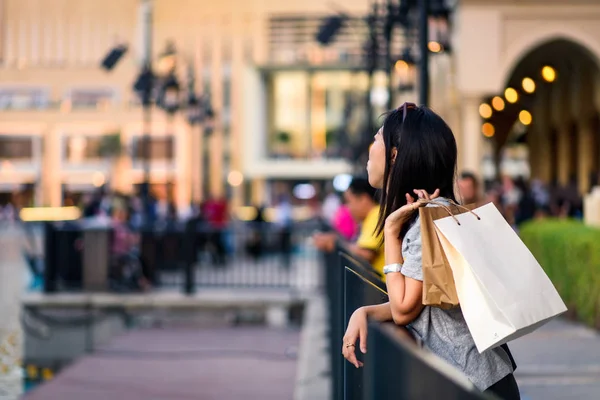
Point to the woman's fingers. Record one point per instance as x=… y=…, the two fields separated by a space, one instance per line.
x=421 y=194
x=426 y=196
x=348 y=350
x=349 y=347
x=363 y=339
x=409 y=199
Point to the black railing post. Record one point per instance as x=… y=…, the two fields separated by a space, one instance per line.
x=334 y=284
x=189 y=249
x=358 y=293
x=424 y=52
x=50 y=262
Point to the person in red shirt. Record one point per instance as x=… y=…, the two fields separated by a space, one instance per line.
x=216 y=214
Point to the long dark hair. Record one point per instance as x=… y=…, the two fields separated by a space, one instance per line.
x=426 y=159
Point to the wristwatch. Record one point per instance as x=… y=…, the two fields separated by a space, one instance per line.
x=392 y=268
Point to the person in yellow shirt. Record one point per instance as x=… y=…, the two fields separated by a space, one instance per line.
x=361 y=200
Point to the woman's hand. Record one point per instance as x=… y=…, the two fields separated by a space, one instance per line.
x=394 y=222
x=356 y=331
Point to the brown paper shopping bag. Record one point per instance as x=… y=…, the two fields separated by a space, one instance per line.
x=439 y=289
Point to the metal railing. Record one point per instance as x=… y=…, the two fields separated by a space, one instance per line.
x=188 y=256
x=395 y=366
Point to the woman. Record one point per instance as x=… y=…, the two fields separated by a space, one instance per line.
x=414 y=154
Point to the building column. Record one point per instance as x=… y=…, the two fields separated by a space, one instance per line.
x=216 y=141
x=584 y=111
x=38 y=153
x=543 y=157
x=533 y=147
x=470 y=139
x=564 y=154
x=259 y=195
x=585 y=155
x=197 y=152
x=120 y=179
x=182 y=165
x=560 y=111
x=51 y=176
x=236 y=96
x=539 y=138
x=215 y=176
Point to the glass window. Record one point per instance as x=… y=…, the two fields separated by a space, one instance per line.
x=23 y=98
x=227 y=98
x=316 y=113
x=289 y=112
x=161 y=148
x=79 y=149
x=91 y=98
x=16 y=148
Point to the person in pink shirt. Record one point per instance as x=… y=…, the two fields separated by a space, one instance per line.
x=344 y=224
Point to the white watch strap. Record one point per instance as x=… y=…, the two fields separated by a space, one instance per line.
x=392 y=268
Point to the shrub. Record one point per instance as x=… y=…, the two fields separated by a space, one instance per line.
x=569 y=252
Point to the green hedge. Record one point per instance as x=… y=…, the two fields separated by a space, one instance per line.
x=569 y=252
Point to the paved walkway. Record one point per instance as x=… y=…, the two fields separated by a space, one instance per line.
x=180 y=364
x=559 y=361
x=313 y=378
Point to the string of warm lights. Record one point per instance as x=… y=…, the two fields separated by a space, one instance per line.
x=511 y=95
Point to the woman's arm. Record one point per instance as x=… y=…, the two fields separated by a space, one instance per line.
x=379 y=312
x=406 y=294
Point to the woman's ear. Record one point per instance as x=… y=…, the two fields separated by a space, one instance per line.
x=394 y=154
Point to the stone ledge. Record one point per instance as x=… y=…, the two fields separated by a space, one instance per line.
x=209 y=299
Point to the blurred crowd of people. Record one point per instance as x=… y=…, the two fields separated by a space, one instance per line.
x=520 y=200
x=353 y=216
x=347 y=218
x=128 y=216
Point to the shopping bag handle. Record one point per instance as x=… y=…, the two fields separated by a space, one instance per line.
x=445 y=207
x=464 y=208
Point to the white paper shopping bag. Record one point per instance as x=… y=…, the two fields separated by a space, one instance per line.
x=503 y=291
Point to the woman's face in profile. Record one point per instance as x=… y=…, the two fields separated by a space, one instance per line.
x=376 y=163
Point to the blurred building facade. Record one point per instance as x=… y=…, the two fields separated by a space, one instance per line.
x=285 y=106
x=60 y=108
x=529 y=89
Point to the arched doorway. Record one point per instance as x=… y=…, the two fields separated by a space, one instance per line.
x=545 y=125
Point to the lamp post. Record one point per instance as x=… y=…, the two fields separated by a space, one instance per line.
x=431 y=18
x=424 y=52
x=146 y=85
x=171 y=98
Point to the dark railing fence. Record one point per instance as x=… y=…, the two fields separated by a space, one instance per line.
x=347 y=292
x=395 y=367
x=188 y=256
x=358 y=293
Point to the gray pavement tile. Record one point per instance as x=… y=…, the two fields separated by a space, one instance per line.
x=179 y=364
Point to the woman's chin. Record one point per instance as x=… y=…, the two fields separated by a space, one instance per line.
x=376 y=183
